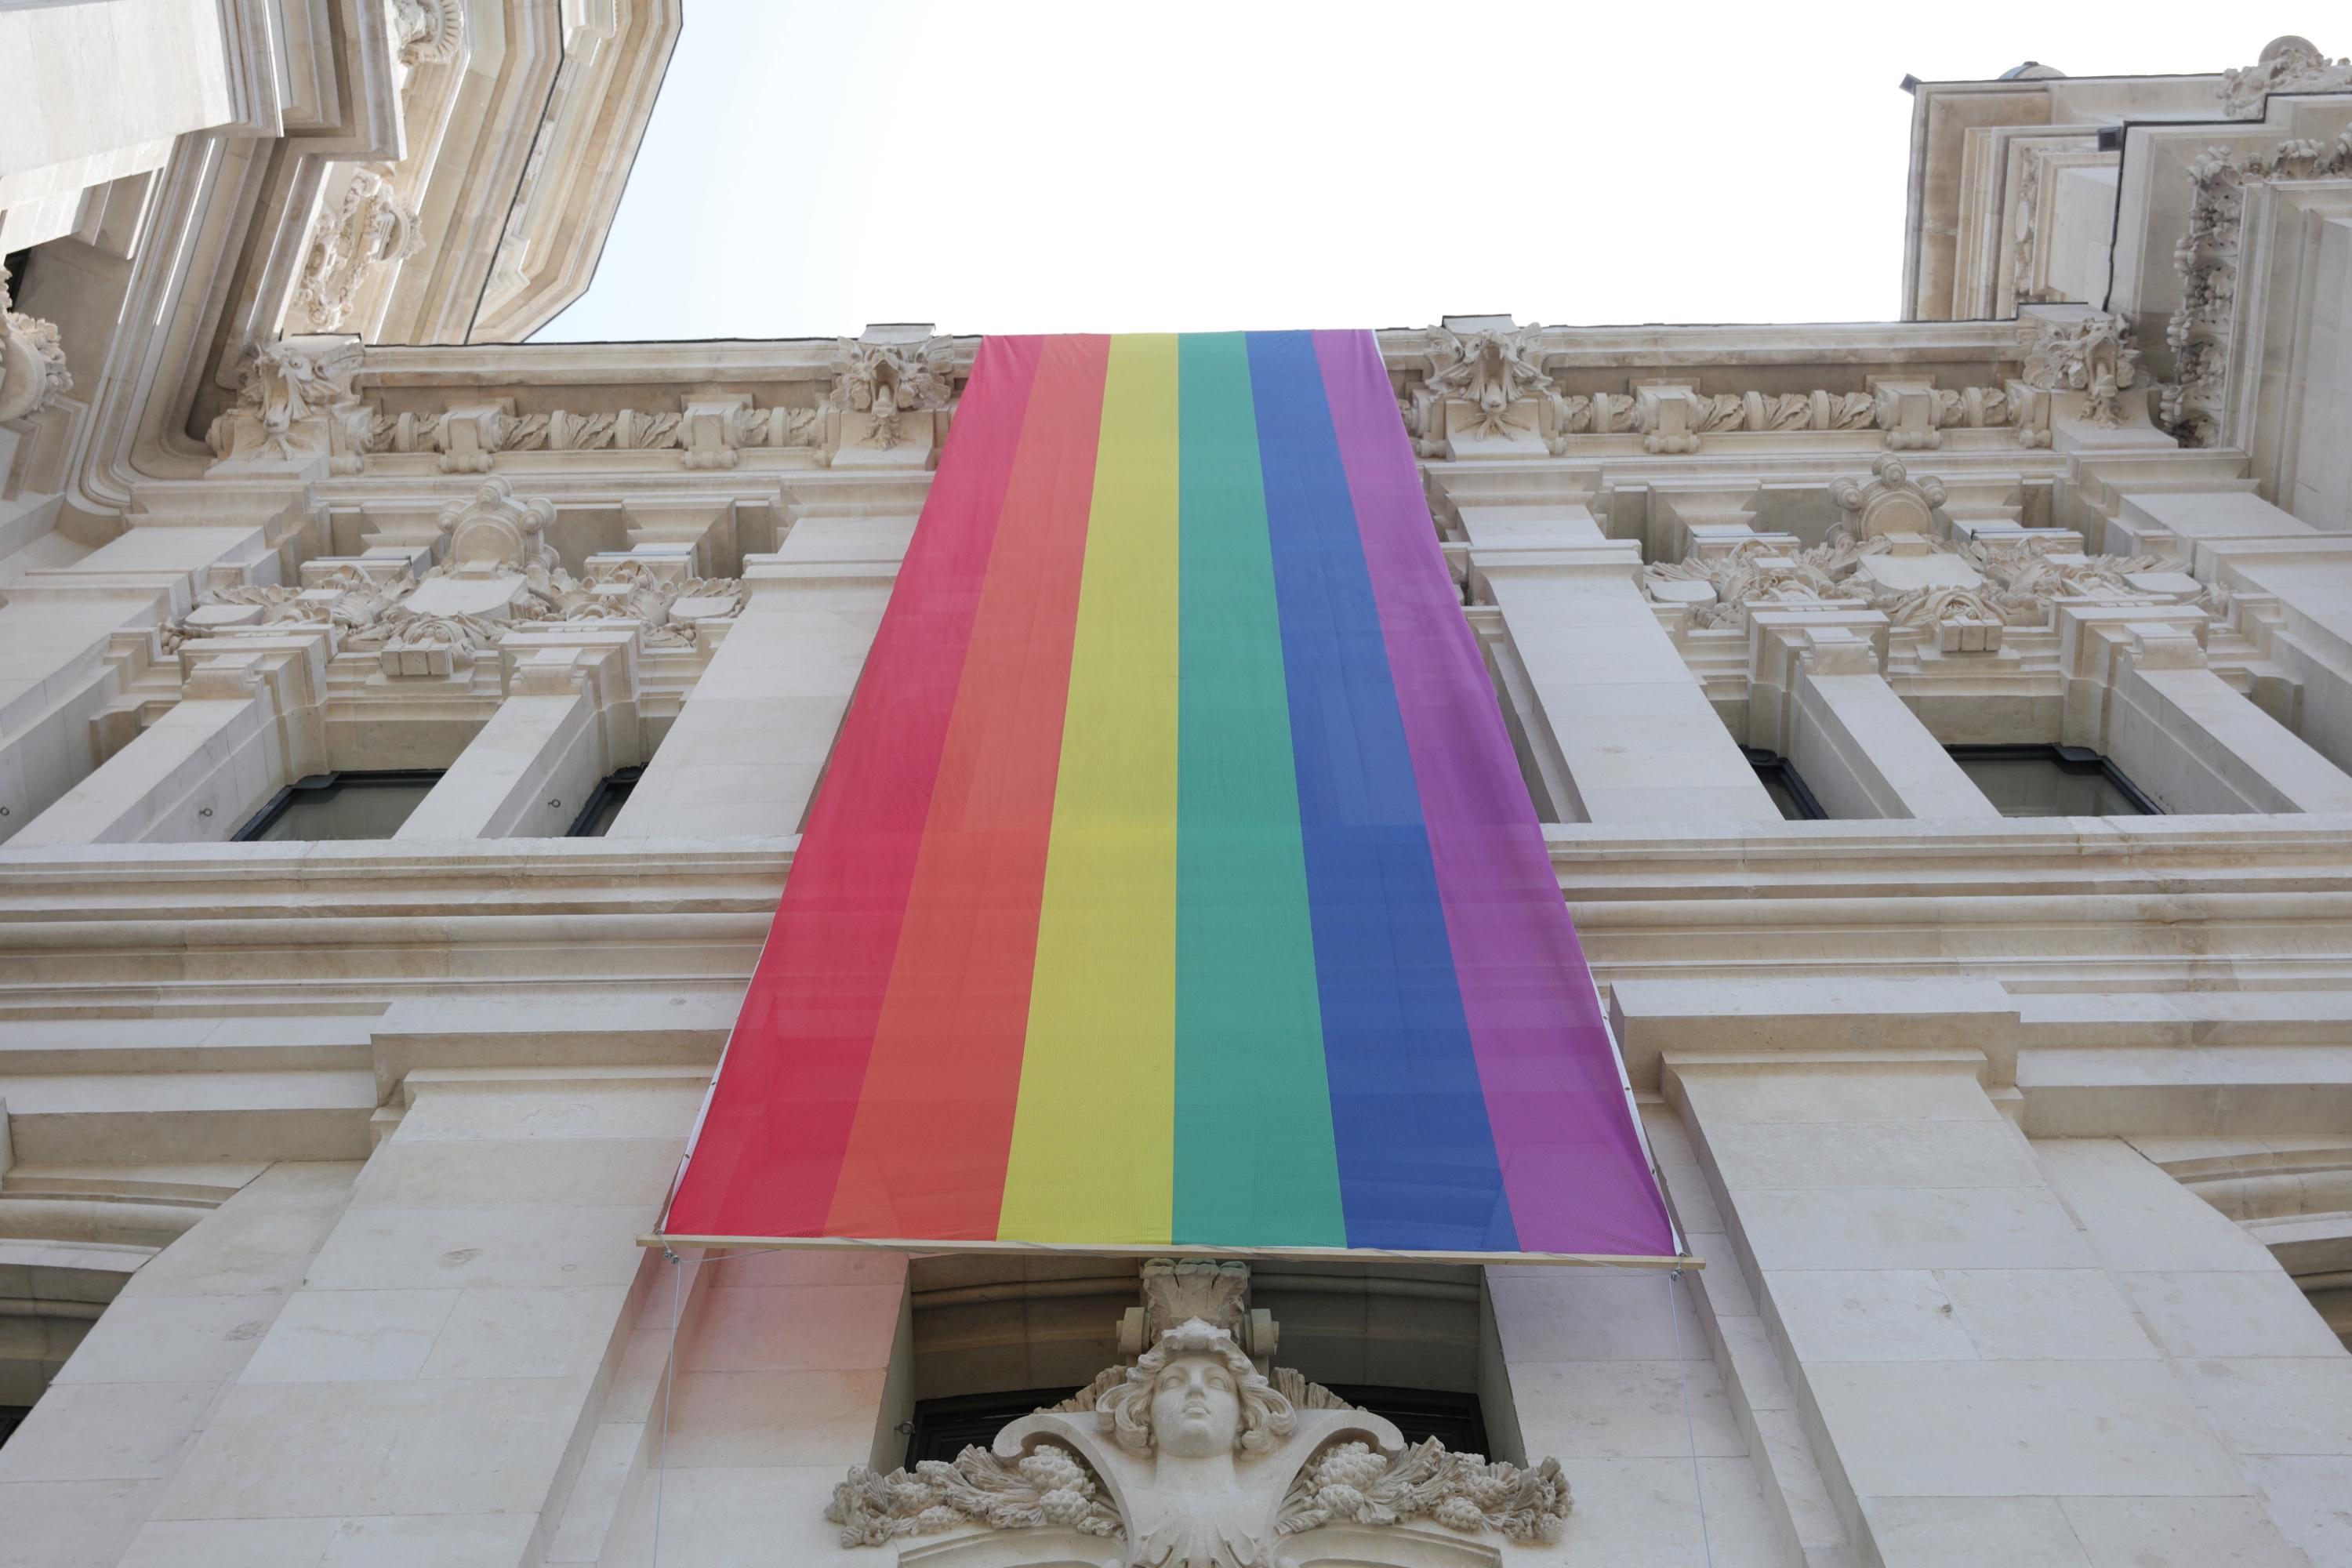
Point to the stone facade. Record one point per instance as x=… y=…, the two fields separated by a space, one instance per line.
x=2018 y=1149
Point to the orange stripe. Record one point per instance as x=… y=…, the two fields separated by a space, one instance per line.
x=927 y=1151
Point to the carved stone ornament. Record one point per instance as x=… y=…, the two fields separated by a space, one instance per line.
x=1891 y=502
x=495 y=533
x=373 y=226
x=2200 y=330
x=1191 y=1457
x=496 y=574
x=2286 y=65
x=1490 y=371
x=369 y=431
x=888 y=381
x=2093 y=355
x=1918 y=584
x=429 y=30
x=280 y=387
x=1488 y=386
x=32 y=360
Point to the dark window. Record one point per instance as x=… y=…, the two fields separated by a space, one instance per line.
x=2051 y=780
x=943 y=1428
x=11 y=1417
x=596 y=819
x=1787 y=790
x=1454 y=1419
x=339 y=806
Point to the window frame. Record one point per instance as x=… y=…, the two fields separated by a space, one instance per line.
x=1768 y=762
x=2074 y=759
x=278 y=804
x=621 y=782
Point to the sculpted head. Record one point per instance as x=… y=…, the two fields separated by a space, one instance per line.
x=1194 y=1396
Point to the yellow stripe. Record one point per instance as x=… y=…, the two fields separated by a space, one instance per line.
x=1093 y=1136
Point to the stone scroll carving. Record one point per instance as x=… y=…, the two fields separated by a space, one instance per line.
x=32 y=360
x=1191 y=1458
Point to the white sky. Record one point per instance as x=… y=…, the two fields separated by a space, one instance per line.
x=1016 y=165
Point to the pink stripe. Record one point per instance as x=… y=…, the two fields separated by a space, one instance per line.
x=1572 y=1163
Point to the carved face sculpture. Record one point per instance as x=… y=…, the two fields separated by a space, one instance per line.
x=1196 y=1411
x=1193 y=1395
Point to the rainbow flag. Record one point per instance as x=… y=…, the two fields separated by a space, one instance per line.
x=1174 y=883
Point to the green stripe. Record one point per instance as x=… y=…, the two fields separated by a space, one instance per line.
x=1256 y=1164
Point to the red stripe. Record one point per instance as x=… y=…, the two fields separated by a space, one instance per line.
x=770 y=1149
x=928 y=1153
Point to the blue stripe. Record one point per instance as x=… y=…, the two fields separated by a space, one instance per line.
x=1417 y=1163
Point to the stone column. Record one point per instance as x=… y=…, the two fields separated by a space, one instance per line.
x=1818 y=699
x=247 y=722
x=550 y=742
x=1964 y=1318
x=1639 y=738
x=747 y=750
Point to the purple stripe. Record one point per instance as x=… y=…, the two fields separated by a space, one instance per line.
x=1572 y=1160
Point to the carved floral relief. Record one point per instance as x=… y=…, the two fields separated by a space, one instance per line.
x=1191 y=1457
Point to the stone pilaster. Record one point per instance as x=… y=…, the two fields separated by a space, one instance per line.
x=1632 y=725
x=747 y=750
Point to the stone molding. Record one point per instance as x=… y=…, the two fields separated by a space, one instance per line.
x=2202 y=330
x=1486 y=392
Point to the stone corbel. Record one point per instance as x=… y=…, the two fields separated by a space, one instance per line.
x=2029 y=413
x=712 y=430
x=1906 y=410
x=1667 y=416
x=470 y=434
